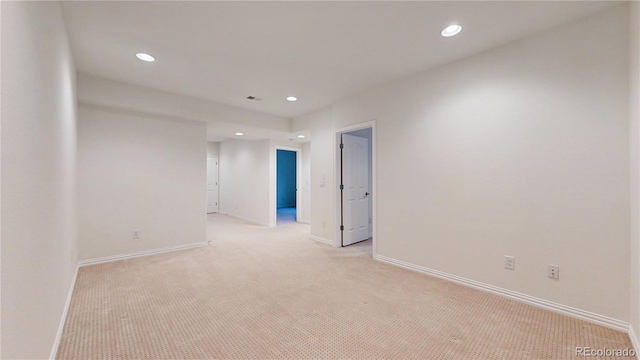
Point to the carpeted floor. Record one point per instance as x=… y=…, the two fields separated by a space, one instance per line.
x=267 y=293
x=285 y=215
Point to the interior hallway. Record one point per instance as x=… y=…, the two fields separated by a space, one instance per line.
x=258 y=292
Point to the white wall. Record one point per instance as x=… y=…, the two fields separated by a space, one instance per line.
x=305 y=208
x=38 y=177
x=634 y=137
x=245 y=180
x=213 y=148
x=139 y=173
x=515 y=151
x=322 y=184
x=144 y=102
x=248 y=181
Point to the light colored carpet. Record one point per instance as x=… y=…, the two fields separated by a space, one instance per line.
x=286 y=215
x=267 y=293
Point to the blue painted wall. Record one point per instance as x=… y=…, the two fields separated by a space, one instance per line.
x=286 y=179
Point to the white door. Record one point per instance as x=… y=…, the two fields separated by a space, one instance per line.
x=355 y=181
x=212 y=184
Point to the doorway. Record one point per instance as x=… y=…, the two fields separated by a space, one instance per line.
x=355 y=160
x=286 y=186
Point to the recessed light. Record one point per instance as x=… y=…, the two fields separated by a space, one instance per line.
x=451 y=30
x=300 y=136
x=239 y=134
x=145 y=57
x=292 y=98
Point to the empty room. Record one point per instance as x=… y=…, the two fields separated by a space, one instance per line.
x=320 y=179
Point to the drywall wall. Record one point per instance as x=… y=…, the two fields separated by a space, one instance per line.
x=139 y=173
x=511 y=152
x=245 y=180
x=38 y=226
x=286 y=178
x=213 y=148
x=322 y=182
x=634 y=162
x=304 y=214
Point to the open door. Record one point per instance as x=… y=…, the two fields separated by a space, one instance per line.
x=354 y=189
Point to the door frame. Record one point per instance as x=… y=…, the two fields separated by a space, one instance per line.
x=298 y=151
x=217 y=181
x=338 y=171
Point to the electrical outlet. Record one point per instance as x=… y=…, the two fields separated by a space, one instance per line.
x=135 y=234
x=553 y=271
x=509 y=262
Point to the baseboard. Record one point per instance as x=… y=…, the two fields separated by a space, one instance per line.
x=256 y=222
x=63 y=319
x=531 y=300
x=306 y=221
x=634 y=341
x=140 y=254
x=321 y=239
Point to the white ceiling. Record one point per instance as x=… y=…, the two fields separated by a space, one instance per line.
x=320 y=52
